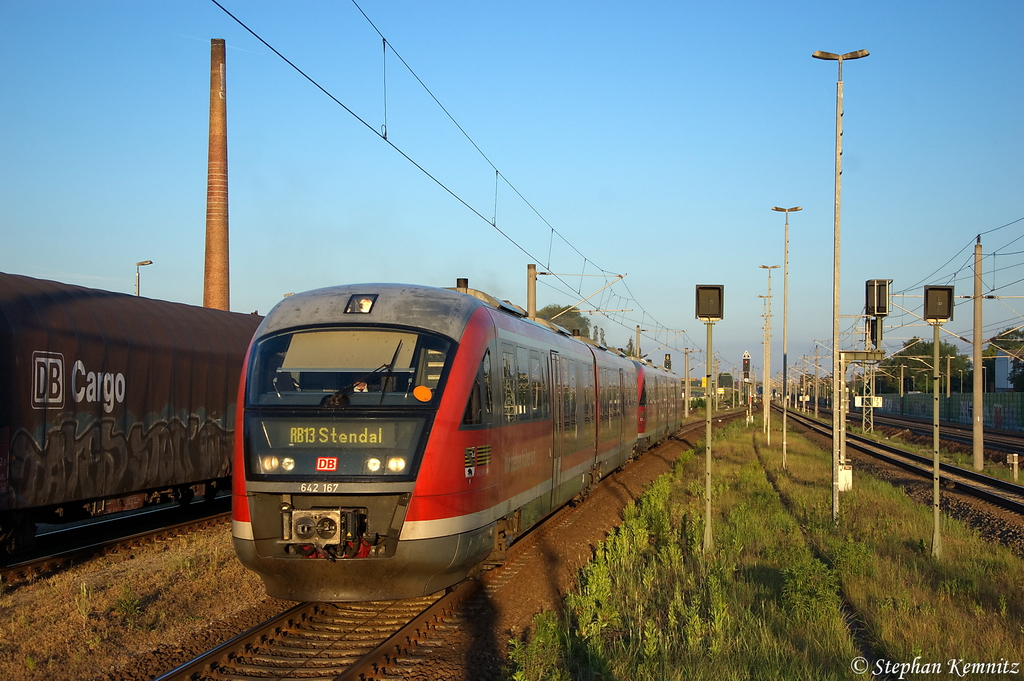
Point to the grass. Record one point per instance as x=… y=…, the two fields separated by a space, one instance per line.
x=91 y=620
x=775 y=597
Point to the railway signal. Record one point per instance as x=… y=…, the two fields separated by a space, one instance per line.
x=710 y=308
x=938 y=308
x=876 y=306
x=746 y=383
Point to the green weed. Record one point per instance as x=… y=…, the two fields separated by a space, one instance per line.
x=129 y=606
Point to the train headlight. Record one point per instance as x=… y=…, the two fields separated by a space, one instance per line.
x=288 y=463
x=396 y=464
x=373 y=465
x=269 y=464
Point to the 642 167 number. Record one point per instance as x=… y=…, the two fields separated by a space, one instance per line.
x=319 y=487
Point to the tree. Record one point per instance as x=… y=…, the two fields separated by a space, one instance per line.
x=916 y=361
x=1011 y=342
x=572 y=320
x=630 y=350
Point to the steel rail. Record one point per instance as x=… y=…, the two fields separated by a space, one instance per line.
x=922 y=465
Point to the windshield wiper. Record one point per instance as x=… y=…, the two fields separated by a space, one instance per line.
x=340 y=398
x=391 y=371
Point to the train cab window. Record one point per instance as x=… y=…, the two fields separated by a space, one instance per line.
x=351 y=366
x=480 y=404
x=488 y=390
x=430 y=366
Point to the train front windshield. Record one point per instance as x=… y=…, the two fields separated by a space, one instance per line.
x=342 y=401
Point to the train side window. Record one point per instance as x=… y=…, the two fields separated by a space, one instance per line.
x=538 y=385
x=523 y=382
x=588 y=394
x=508 y=381
x=570 y=415
x=604 y=412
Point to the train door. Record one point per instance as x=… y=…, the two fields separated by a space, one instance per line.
x=558 y=419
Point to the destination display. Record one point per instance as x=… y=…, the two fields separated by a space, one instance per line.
x=333 y=446
x=323 y=435
x=320 y=433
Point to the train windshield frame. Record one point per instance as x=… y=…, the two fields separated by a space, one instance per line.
x=342 y=402
x=345 y=367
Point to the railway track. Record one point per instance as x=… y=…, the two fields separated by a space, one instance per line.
x=1004 y=494
x=386 y=640
x=998 y=440
x=63 y=548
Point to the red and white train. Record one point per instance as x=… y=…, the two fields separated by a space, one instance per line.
x=396 y=436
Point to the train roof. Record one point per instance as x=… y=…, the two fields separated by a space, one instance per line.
x=433 y=309
x=441 y=310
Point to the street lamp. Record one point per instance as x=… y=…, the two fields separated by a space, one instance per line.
x=838 y=422
x=785 y=328
x=142 y=263
x=768 y=354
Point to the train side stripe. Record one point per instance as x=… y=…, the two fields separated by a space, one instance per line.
x=442 y=527
x=241 y=529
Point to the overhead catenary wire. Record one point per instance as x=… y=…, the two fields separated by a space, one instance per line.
x=382 y=134
x=466 y=134
x=968 y=264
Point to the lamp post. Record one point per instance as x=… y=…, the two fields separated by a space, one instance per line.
x=139 y=264
x=768 y=354
x=785 y=328
x=838 y=422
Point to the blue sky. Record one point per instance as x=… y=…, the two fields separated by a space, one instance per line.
x=654 y=137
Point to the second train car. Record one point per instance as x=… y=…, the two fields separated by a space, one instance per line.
x=398 y=436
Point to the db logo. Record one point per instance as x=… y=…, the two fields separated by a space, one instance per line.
x=326 y=463
x=47 y=380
